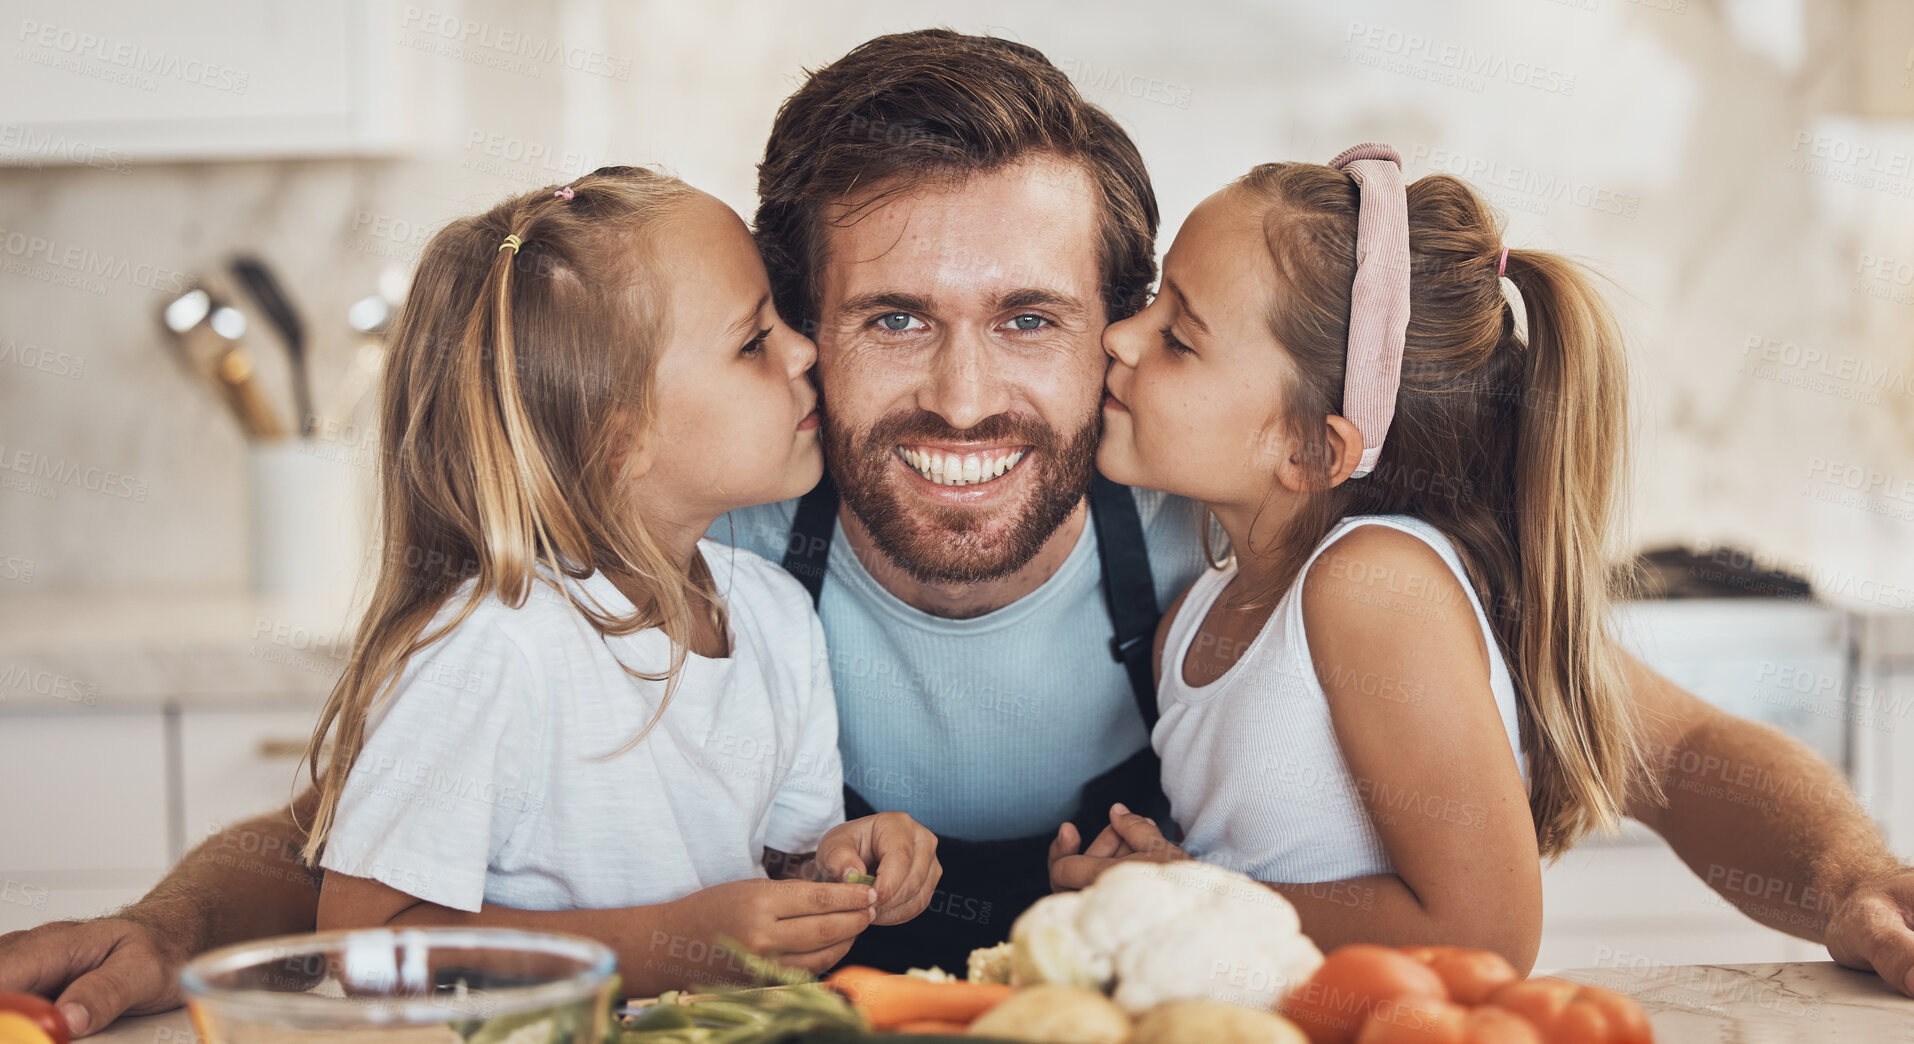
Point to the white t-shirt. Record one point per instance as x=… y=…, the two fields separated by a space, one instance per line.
x=491 y=773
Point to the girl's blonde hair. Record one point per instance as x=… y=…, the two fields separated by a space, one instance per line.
x=513 y=377
x=1516 y=452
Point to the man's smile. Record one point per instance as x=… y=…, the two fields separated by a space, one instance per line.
x=953 y=467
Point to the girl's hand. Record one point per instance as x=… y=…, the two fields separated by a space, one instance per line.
x=805 y=924
x=1128 y=838
x=898 y=850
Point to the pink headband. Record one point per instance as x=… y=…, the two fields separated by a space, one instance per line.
x=1379 y=298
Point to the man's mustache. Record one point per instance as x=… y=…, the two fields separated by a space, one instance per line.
x=925 y=426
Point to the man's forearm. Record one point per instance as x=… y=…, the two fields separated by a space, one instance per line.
x=1756 y=814
x=245 y=882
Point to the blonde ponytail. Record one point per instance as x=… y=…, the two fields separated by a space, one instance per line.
x=1516 y=452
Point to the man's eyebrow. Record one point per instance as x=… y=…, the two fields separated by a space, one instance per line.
x=1183 y=303
x=749 y=320
x=1040 y=297
x=891 y=300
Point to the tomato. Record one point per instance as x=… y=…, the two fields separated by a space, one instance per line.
x=1440 y=1022
x=1570 y=1013
x=37 y=1011
x=1470 y=975
x=1353 y=982
x=16 y=1028
x=1415 y=1022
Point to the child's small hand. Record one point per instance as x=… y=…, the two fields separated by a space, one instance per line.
x=1128 y=838
x=805 y=924
x=898 y=850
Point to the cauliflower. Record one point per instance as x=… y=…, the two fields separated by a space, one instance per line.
x=1130 y=900
x=1156 y=932
x=1215 y=954
x=990 y=964
x=1046 y=945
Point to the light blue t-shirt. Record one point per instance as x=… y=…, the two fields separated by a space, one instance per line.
x=986 y=728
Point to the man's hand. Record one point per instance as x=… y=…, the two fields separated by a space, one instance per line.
x=805 y=924
x=1129 y=838
x=95 y=971
x=1869 y=929
x=898 y=850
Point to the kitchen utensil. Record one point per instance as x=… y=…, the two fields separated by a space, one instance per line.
x=413 y=984
x=207 y=333
x=237 y=375
x=257 y=277
x=370 y=317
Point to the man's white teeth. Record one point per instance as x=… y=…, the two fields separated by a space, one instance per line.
x=950 y=469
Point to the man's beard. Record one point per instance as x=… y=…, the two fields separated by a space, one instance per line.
x=952 y=545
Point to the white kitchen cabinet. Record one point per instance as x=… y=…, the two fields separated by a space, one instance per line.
x=237 y=764
x=97 y=806
x=107 y=85
x=83 y=791
x=84 y=801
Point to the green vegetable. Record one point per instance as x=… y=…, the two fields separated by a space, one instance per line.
x=853 y=877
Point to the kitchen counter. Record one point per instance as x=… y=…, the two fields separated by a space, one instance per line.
x=1688 y=1004
x=132 y=652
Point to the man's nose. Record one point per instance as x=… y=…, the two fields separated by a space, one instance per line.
x=965 y=384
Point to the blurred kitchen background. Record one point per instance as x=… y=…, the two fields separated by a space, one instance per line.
x=175 y=595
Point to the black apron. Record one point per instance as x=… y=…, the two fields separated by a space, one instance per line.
x=986 y=884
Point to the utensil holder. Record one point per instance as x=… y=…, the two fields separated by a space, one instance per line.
x=308 y=500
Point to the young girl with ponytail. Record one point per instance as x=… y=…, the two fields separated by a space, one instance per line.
x=1400 y=689
x=566 y=711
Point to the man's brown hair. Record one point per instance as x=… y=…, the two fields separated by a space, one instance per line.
x=938 y=104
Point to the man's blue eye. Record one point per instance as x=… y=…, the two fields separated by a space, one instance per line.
x=1028 y=322
x=896 y=321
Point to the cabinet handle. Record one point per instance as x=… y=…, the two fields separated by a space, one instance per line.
x=281 y=747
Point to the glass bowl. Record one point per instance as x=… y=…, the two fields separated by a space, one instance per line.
x=412 y=985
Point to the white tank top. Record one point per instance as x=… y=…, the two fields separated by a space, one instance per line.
x=1251 y=765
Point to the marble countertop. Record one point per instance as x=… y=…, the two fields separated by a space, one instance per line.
x=126 y=652
x=1688 y=1004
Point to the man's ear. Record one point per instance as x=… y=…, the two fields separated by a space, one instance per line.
x=1344 y=446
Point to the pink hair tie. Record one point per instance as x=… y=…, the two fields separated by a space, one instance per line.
x=1502 y=265
x=564 y=193
x=1379 y=297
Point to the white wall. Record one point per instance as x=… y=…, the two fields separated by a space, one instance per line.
x=1686 y=116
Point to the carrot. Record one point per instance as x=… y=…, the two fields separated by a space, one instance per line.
x=889 y=1001
x=936 y=1027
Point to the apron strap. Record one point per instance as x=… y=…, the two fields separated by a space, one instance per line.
x=808 y=552
x=1129 y=590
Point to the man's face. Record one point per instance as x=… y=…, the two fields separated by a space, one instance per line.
x=961 y=364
